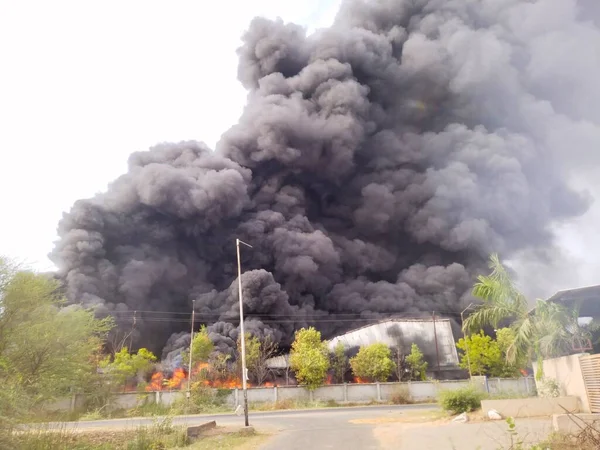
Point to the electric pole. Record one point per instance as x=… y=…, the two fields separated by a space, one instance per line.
x=462 y=324
x=437 y=350
x=189 y=383
x=243 y=337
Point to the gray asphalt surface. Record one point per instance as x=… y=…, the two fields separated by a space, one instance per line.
x=358 y=428
x=270 y=419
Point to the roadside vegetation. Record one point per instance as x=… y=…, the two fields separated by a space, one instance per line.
x=586 y=439
x=161 y=435
x=50 y=350
x=533 y=334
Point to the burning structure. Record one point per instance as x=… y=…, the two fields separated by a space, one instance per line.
x=434 y=338
x=376 y=165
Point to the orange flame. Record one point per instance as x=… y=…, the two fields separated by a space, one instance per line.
x=329 y=379
x=228 y=383
x=158 y=382
x=175 y=382
x=360 y=380
x=155 y=382
x=269 y=384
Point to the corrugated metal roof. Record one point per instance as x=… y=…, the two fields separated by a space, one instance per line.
x=278 y=362
x=404 y=332
x=398 y=332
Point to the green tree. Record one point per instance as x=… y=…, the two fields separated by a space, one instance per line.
x=339 y=362
x=481 y=351
x=258 y=352
x=202 y=347
x=416 y=363
x=488 y=356
x=8 y=269
x=309 y=358
x=373 y=362
x=505 y=369
x=220 y=367
x=542 y=332
x=127 y=366
x=46 y=347
x=252 y=354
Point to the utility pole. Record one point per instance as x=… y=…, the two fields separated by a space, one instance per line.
x=437 y=350
x=132 y=330
x=243 y=336
x=462 y=324
x=189 y=383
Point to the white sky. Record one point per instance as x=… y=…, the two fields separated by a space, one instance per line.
x=85 y=83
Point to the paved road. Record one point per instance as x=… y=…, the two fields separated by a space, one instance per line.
x=360 y=428
x=270 y=419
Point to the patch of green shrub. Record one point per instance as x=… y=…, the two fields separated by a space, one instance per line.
x=461 y=400
x=203 y=399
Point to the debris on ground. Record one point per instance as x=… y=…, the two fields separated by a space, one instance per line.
x=494 y=415
x=461 y=418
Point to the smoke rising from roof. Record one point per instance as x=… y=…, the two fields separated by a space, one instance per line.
x=376 y=165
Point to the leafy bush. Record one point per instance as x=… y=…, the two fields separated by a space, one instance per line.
x=549 y=387
x=203 y=399
x=461 y=400
x=373 y=362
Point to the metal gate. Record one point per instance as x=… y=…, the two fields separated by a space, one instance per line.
x=590 y=368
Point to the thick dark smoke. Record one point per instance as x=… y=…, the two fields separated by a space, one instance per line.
x=376 y=165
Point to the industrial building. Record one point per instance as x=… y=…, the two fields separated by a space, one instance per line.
x=434 y=338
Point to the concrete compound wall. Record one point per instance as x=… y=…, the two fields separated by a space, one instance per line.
x=421 y=391
x=531 y=407
x=566 y=370
x=574 y=423
x=506 y=386
x=72 y=403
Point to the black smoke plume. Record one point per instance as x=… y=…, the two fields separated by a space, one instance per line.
x=376 y=165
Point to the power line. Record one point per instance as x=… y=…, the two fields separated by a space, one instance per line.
x=276 y=321
x=317 y=315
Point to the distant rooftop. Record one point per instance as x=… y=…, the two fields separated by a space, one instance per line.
x=587 y=299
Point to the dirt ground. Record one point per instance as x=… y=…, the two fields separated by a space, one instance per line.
x=436 y=432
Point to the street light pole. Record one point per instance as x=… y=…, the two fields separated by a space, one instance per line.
x=189 y=392
x=243 y=337
x=462 y=324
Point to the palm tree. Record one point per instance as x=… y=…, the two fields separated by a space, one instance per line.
x=547 y=330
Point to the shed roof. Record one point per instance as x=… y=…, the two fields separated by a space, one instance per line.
x=398 y=333
x=586 y=299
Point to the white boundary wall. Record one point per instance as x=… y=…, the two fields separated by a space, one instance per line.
x=419 y=391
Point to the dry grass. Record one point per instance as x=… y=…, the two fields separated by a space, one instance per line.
x=228 y=439
x=401 y=396
x=160 y=435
